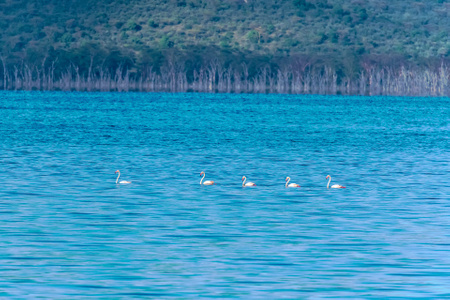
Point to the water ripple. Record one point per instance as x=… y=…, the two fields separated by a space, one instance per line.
x=68 y=231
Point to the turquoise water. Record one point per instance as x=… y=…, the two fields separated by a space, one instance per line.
x=68 y=231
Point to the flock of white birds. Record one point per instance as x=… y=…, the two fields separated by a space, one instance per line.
x=244 y=182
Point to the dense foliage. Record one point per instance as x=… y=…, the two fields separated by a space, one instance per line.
x=133 y=35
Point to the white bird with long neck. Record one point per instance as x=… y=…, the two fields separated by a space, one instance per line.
x=123 y=181
x=207 y=182
x=291 y=185
x=248 y=183
x=334 y=186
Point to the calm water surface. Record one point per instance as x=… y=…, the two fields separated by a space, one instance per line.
x=68 y=231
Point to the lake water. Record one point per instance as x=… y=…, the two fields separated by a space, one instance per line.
x=68 y=231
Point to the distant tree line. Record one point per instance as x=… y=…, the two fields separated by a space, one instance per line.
x=211 y=70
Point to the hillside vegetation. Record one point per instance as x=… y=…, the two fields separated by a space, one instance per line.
x=345 y=35
x=412 y=28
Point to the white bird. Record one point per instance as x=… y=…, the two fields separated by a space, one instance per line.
x=248 y=183
x=290 y=185
x=208 y=182
x=123 y=181
x=334 y=186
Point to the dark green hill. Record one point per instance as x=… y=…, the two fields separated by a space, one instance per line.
x=410 y=28
x=264 y=41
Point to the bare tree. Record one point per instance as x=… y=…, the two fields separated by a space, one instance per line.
x=4 y=72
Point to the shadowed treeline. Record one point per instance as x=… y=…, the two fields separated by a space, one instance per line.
x=296 y=75
x=373 y=47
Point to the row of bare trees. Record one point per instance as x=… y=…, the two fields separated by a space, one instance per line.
x=295 y=78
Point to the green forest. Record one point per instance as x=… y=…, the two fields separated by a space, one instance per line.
x=133 y=36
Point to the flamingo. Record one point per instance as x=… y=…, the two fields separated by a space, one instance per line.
x=290 y=185
x=248 y=183
x=208 y=182
x=123 y=181
x=334 y=186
